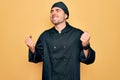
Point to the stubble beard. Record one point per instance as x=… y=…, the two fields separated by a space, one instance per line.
x=57 y=22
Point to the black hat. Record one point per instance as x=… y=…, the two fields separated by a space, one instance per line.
x=62 y=6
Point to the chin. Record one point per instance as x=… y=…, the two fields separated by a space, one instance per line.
x=55 y=23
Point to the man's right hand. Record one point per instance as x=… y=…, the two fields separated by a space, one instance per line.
x=29 y=42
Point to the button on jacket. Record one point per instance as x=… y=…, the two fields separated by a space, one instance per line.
x=61 y=53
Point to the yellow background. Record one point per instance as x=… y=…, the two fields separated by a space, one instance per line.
x=21 y=18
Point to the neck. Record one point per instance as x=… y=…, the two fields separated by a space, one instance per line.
x=60 y=27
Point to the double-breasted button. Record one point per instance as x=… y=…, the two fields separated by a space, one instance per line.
x=54 y=47
x=64 y=47
x=64 y=59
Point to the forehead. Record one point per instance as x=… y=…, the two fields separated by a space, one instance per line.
x=56 y=8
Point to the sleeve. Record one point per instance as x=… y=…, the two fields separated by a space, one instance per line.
x=90 y=58
x=37 y=56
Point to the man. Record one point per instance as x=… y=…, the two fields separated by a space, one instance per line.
x=61 y=48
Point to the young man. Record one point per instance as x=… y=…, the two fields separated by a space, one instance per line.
x=61 y=48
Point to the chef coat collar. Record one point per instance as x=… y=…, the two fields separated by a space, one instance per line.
x=66 y=29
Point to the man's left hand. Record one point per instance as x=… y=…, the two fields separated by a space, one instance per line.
x=85 y=38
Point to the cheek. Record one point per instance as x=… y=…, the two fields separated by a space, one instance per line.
x=51 y=16
x=62 y=16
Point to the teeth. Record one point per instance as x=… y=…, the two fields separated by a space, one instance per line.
x=54 y=17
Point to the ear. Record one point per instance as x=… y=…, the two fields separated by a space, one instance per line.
x=66 y=16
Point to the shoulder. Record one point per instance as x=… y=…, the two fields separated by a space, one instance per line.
x=74 y=28
x=45 y=33
x=77 y=30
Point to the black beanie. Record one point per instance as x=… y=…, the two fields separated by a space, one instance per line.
x=62 y=6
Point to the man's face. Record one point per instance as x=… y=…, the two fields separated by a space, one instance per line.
x=57 y=15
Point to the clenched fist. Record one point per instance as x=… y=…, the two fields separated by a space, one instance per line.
x=29 y=42
x=85 y=37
